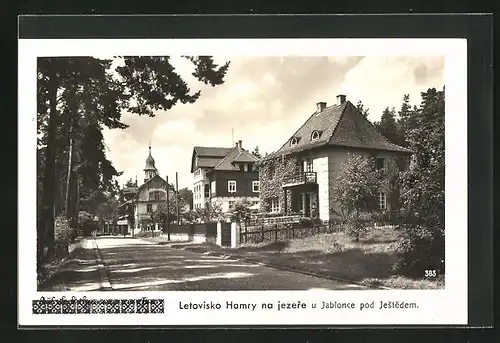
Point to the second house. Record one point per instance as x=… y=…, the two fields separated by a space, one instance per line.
x=224 y=175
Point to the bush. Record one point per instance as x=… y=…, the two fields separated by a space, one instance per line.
x=357 y=224
x=63 y=233
x=418 y=250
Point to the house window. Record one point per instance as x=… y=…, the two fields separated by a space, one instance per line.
x=242 y=167
x=255 y=186
x=207 y=191
x=212 y=187
x=315 y=135
x=275 y=205
x=380 y=163
x=382 y=201
x=294 y=141
x=308 y=166
x=149 y=208
x=155 y=196
x=231 y=186
x=250 y=167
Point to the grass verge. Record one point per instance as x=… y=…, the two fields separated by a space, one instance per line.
x=334 y=255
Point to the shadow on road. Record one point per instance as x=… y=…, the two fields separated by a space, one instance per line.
x=79 y=272
x=158 y=267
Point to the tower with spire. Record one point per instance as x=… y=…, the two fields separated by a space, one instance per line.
x=150 y=170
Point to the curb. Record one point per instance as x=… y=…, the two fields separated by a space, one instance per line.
x=280 y=267
x=105 y=285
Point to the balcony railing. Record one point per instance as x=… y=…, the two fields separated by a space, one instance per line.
x=299 y=179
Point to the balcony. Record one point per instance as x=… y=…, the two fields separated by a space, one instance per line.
x=299 y=179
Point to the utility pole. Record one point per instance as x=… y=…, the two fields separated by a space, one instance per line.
x=168 y=210
x=177 y=198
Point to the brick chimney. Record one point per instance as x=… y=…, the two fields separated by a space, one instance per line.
x=320 y=106
x=340 y=99
x=240 y=145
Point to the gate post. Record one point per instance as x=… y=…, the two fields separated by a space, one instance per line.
x=235 y=235
x=218 y=239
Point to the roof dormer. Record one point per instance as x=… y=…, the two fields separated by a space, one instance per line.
x=294 y=141
x=316 y=134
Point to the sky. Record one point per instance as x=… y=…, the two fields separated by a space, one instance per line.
x=264 y=100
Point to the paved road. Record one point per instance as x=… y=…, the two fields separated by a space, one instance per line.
x=138 y=265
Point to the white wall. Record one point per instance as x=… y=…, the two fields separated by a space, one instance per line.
x=200 y=181
x=320 y=165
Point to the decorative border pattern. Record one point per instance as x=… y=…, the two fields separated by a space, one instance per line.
x=98 y=306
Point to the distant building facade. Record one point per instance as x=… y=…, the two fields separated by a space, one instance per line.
x=145 y=199
x=224 y=176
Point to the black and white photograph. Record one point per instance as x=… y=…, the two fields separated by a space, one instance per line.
x=197 y=171
x=179 y=169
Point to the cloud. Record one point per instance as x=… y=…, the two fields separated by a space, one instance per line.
x=381 y=82
x=264 y=100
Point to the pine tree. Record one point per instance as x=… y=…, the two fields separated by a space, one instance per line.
x=364 y=111
x=403 y=117
x=388 y=126
x=256 y=152
x=423 y=194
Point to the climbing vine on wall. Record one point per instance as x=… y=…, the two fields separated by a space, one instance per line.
x=271 y=175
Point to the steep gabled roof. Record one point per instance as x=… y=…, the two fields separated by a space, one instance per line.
x=145 y=184
x=337 y=125
x=208 y=157
x=235 y=155
x=354 y=130
x=205 y=151
x=208 y=162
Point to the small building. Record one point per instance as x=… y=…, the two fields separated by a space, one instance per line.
x=224 y=175
x=143 y=200
x=299 y=176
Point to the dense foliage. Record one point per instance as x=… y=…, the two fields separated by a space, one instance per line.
x=241 y=211
x=355 y=190
x=210 y=212
x=271 y=175
x=421 y=246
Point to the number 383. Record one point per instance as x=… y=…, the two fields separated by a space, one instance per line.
x=430 y=273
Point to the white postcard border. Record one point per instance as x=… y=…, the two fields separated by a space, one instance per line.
x=448 y=306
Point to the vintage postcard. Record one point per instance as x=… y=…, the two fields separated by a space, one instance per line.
x=243 y=182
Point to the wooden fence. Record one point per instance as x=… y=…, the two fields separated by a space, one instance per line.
x=284 y=231
x=290 y=227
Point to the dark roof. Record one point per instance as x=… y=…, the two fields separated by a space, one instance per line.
x=211 y=151
x=338 y=125
x=208 y=162
x=354 y=130
x=208 y=157
x=235 y=155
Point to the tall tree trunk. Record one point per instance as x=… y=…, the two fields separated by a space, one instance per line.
x=46 y=224
x=69 y=178
x=76 y=208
